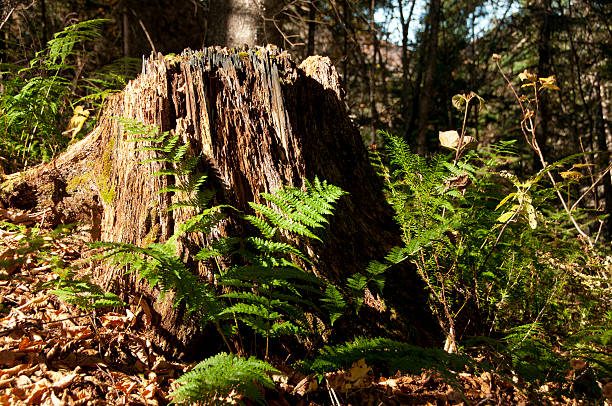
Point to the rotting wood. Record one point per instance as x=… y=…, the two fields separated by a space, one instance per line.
x=261 y=122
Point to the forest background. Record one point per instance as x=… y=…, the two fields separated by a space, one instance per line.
x=409 y=69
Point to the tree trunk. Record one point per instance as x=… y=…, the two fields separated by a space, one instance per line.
x=260 y=122
x=236 y=23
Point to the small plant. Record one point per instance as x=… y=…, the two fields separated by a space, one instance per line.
x=38 y=101
x=224 y=379
x=394 y=355
x=40 y=246
x=81 y=292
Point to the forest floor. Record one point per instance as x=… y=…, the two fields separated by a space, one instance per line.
x=52 y=353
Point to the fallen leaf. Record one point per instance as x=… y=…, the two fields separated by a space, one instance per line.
x=578 y=364
x=114 y=320
x=64 y=382
x=39 y=390
x=306 y=385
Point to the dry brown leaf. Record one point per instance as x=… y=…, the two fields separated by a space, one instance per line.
x=147 y=316
x=359 y=371
x=8 y=382
x=65 y=381
x=28 y=345
x=306 y=385
x=152 y=388
x=13 y=371
x=578 y=364
x=114 y=320
x=78 y=332
x=606 y=391
x=37 y=393
x=23 y=381
x=55 y=401
x=9 y=358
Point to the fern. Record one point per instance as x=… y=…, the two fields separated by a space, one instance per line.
x=270 y=292
x=394 y=355
x=83 y=293
x=297 y=211
x=159 y=265
x=38 y=99
x=224 y=379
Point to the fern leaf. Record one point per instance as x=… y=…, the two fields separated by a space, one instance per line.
x=219 y=380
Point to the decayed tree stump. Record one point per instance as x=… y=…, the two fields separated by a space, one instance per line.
x=261 y=122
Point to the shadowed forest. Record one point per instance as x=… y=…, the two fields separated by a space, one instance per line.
x=305 y=202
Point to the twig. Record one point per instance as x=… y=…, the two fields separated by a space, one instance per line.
x=7 y=17
x=332 y=395
x=592 y=186
x=145 y=31
x=534 y=145
x=37 y=324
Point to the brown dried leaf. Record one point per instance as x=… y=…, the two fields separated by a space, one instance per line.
x=9 y=358
x=114 y=320
x=78 y=332
x=65 y=381
x=39 y=390
x=306 y=385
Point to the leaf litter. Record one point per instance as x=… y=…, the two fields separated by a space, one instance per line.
x=53 y=353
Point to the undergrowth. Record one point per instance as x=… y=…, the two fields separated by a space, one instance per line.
x=513 y=278
x=47 y=104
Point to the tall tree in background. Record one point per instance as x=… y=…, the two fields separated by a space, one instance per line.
x=243 y=22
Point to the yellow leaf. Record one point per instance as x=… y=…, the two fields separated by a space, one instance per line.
x=79 y=117
x=526 y=75
x=574 y=175
x=549 y=83
x=531 y=215
x=504 y=200
x=504 y=218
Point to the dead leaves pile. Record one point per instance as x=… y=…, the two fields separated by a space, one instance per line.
x=358 y=385
x=51 y=353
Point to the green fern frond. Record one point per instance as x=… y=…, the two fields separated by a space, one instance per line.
x=269 y=248
x=261 y=274
x=63 y=42
x=334 y=303
x=395 y=355
x=263 y=226
x=297 y=211
x=221 y=379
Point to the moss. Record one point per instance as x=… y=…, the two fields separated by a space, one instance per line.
x=77 y=182
x=152 y=236
x=7 y=187
x=174 y=59
x=107 y=193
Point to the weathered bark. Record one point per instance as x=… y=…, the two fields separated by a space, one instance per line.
x=261 y=122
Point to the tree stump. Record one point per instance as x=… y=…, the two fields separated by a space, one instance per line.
x=261 y=122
